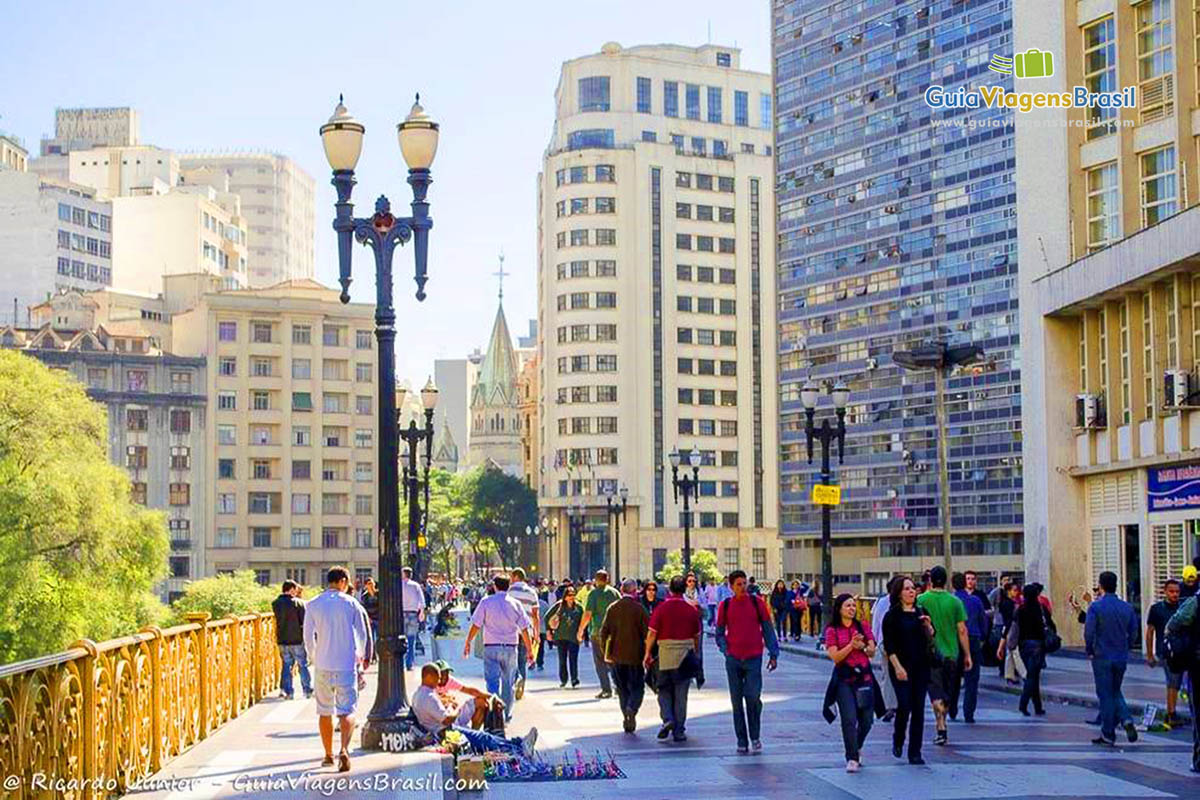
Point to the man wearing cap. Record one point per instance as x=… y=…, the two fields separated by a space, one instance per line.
x=472 y=710
x=436 y=718
x=1190 y=586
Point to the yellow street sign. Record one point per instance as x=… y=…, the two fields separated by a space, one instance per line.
x=824 y=495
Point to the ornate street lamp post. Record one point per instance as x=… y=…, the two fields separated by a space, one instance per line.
x=826 y=435
x=414 y=480
x=342 y=138
x=616 y=515
x=690 y=486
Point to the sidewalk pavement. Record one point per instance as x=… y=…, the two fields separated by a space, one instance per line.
x=1066 y=679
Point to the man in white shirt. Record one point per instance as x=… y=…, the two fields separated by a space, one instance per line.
x=335 y=638
x=524 y=594
x=414 y=612
x=433 y=715
x=879 y=662
x=504 y=623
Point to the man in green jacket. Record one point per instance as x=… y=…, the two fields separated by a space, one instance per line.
x=598 y=600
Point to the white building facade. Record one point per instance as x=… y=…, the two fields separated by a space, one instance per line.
x=656 y=262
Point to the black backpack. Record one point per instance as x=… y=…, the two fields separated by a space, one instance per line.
x=1179 y=646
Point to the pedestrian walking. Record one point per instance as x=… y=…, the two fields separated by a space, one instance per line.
x=796 y=612
x=335 y=636
x=1183 y=629
x=503 y=624
x=949 y=619
x=523 y=593
x=370 y=601
x=650 y=597
x=598 y=600
x=710 y=602
x=815 y=609
x=289 y=635
x=1012 y=666
x=1027 y=635
x=1156 y=625
x=1110 y=632
x=691 y=594
x=542 y=643
x=879 y=662
x=852 y=686
x=622 y=638
x=743 y=631
x=907 y=634
x=413 y=595
x=781 y=607
x=675 y=633
x=563 y=622
x=977 y=627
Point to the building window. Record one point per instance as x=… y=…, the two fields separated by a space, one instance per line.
x=693 y=101
x=758 y=557
x=606 y=363
x=227 y=366
x=643 y=95
x=137 y=380
x=301 y=470
x=670 y=99
x=1148 y=382
x=741 y=108
x=226 y=434
x=606 y=299
x=180 y=494
x=332 y=335
x=1156 y=60
x=181 y=383
x=331 y=538
x=137 y=493
x=1103 y=206
x=263 y=576
x=1100 y=74
x=181 y=421
x=302 y=401
x=261 y=367
x=301 y=537
x=362 y=504
x=1159 y=194
x=260 y=400
x=136 y=419
x=594 y=93
x=226 y=537
x=591 y=137
x=227 y=331
x=301 y=503
x=260 y=332
x=362 y=340
x=181 y=457
x=301 y=368
x=764 y=111
x=362 y=437
x=362 y=373
x=714 y=104
x=260 y=537
x=301 y=334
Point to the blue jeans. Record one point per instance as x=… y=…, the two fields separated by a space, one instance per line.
x=1113 y=711
x=745 y=690
x=1034 y=657
x=970 y=690
x=499 y=672
x=412 y=628
x=294 y=654
x=482 y=741
x=522 y=661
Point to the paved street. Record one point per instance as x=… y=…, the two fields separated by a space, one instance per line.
x=1004 y=755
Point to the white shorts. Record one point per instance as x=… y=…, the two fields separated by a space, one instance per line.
x=336 y=692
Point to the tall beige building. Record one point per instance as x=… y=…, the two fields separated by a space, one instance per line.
x=656 y=300
x=1110 y=298
x=278 y=205
x=292 y=430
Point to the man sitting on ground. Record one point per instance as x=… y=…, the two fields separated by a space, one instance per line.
x=435 y=718
x=472 y=710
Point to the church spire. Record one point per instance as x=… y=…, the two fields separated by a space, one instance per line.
x=501 y=274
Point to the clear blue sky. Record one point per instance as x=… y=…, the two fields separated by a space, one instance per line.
x=264 y=75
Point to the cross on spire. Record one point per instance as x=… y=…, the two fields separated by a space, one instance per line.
x=501 y=274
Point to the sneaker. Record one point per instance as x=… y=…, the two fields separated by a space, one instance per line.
x=898 y=751
x=1039 y=712
x=680 y=737
x=969 y=720
x=851 y=766
x=1131 y=731
x=941 y=739
x=630 y=723
x=286 y=696
x=743 y=749
x=1100 y=740
x=529 y=742
x=519 y=692
x=916 y=761
x=308 y=695
x=574 y=684
x=665 y=731
x=891 y=715
x=756 y=745
x=603 y=695
x=562 y=685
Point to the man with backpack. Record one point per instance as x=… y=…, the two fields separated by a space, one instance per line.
x=743 y=628
x=1183 y=652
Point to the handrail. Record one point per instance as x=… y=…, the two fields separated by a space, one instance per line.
x=99 y=717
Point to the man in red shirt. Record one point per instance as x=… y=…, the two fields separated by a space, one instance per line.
x=743 y=628
x=675 y=628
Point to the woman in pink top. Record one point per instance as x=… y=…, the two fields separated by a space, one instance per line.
x=851 y=646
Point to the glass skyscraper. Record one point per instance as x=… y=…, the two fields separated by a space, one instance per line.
x=897 y=225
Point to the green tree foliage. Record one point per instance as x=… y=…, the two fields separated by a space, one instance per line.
x=704 y=564
x=226 y=595
x=77 y=557
x=498 y=506
x=446 y=527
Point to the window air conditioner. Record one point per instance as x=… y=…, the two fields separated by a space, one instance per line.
x=1089 y=412
x=1177 y=388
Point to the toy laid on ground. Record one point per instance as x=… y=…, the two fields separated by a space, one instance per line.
x=502 y=767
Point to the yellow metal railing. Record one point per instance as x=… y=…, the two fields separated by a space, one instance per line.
x=94 y=720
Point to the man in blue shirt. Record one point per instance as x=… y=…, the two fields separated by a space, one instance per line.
x=1111 y=631
x=976 y=630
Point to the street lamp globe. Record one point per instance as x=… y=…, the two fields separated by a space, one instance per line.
x=418 y=136
x=675 y=457
x=694 y=457
x=624 y=492
x=429 y=395
x=545 y=522
x=342 y=137
x=840 y=394
x=528 y=531
x=810 y=393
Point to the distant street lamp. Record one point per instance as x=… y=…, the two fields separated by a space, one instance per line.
x=827 y=435
x=541 y=531
x=415 y=483
x=941 y=358
x=342 y=138
x=616 y=515
x=690 y=486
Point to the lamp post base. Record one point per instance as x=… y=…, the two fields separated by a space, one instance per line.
x=391 y=734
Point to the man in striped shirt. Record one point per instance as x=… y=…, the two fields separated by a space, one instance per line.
x=523 y=593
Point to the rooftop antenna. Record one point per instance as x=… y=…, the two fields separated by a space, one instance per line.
x=501 y=274
x=710 y=31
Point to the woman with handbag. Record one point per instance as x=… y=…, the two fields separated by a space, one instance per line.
x=908 y=642
x=780 y=602
x=562 y=622
x=799 y=606
x=850 y=645
x=1029 y=634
